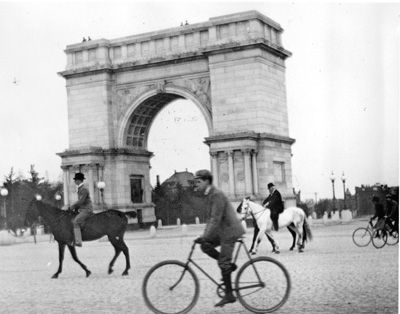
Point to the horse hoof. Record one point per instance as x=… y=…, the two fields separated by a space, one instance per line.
x=110 y=271
x=125 y=273
x=277 y=252
x=55 y=276
x=88 y=273
x=291 y=249
x=301 y=251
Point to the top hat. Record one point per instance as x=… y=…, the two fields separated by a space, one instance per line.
x=270 y=185
x=79 y=176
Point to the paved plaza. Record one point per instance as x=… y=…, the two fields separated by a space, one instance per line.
x=332 y=276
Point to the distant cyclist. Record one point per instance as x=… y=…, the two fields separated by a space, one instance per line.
x=379 y=213
x=392 y=212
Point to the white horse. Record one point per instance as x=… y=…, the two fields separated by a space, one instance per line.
x=292 y=217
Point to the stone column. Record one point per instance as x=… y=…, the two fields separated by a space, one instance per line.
x=255 y=174
x=66 y=184
x=247 y=172
x=231 y=173
x=214 y=167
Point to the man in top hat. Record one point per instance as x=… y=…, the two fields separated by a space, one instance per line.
x=223 y=229
x=274 y=203
x=83 y=205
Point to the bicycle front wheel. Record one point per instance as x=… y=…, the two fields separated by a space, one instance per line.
x=361 y=237
x=170 y=287
x=262 y=285
x=379 y=238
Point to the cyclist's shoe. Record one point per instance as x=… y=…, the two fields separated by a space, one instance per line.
x=228 y=298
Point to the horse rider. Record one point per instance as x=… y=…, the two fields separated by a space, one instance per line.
x=274 y=203
x=380 y=213
x=222 y=229
x=83 y=205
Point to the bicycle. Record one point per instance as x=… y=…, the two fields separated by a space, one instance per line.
x=177 y=281
x=362 y=236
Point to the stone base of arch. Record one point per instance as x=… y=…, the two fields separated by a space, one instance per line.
x=244 y=163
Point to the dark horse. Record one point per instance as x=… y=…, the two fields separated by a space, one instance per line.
x=111 y=223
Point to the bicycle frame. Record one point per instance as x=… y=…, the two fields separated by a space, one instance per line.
x=191 y=261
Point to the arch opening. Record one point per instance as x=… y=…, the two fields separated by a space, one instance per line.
x=143 y=116
x=176 y=137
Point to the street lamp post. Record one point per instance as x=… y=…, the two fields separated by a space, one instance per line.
x=101 y=185
x=333 y=191
x=4 y=193
x=58 y=199
x=344 y=190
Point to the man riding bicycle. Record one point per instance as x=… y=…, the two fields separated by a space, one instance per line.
x=223 y=229
x=380 y=213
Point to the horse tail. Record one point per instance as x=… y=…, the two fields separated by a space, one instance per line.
x=307 y=234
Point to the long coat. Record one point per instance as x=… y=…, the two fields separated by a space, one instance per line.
x=275 y=202
x=223 y=223
x=84 y=202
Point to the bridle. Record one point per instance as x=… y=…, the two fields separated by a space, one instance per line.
x=247 y=207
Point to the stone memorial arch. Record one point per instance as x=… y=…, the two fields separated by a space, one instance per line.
x=231 y=67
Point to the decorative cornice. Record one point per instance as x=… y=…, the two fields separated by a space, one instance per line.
x=98 y=151
x=201 y=53
x=248 y=136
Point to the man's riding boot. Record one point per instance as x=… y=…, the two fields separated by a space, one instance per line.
x=229 y=297
x=77 y=236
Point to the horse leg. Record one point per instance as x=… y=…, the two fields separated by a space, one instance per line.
x=293 y=233
x=256 y=230
x=75 y=257
x=61 y=248
x=269 y=235
x=300 y=242
x=117 y=249
x=125 y=250
x=271 y=240
x=257 y=241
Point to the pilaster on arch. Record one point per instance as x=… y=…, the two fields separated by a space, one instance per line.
x=204 y=108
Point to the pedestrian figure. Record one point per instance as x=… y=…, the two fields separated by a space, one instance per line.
x=83 y=205
x=274 y=203
x=223 y=229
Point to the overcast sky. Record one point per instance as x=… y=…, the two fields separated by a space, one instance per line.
x=342 y=85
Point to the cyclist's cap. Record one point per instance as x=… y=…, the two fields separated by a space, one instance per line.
x=203 y=174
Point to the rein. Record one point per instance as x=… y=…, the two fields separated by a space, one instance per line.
x=253 y=213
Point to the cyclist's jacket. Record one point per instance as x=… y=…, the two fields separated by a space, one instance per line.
x=223 y=223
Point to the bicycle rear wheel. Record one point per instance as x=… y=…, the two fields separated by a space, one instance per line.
x=262 y=285
x=379 y=238
x=393 y=238
x=361 y=237
x=170 y=287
